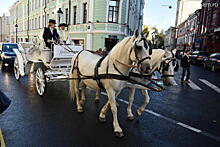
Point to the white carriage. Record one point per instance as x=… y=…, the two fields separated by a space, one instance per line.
x=47 y=64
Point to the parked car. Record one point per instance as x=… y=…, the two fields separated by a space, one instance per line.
x=7 y=55
x=197 y=57
x=213 y=62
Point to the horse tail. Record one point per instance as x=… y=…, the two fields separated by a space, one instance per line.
x=72 y=75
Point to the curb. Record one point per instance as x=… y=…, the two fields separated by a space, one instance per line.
x=2 y=142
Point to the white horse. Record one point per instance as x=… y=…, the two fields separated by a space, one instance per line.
x=162 y=61
x=119 y=61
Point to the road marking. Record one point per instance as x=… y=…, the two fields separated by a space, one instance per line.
x=210 y=85
x=2 y=142
x=193 y=85
x=188 y=127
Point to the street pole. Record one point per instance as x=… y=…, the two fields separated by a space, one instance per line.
x=28 y=24
x=16 y=33
x=1 y=29
x=59 y=12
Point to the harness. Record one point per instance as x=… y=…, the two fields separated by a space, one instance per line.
x=165 y=66
x=97 y=77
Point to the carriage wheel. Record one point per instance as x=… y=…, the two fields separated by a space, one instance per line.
x=40 y=81
x=16 y=69
x=2 y=67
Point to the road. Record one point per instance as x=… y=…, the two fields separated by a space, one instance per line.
x=182 y=115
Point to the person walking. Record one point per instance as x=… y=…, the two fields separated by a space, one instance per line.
x=50 y=34
x=185 y=64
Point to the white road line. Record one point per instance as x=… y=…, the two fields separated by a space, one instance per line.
x=174 y=121
x=193 y=85
x=189 y=127
x=210 y=85
x=152 y=112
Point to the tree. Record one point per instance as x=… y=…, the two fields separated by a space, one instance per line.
x=158 y=38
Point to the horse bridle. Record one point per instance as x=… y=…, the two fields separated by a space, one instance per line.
x=165 y=66
x=139 y=61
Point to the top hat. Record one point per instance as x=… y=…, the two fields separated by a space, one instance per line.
x=52 y=21
x=63 y=24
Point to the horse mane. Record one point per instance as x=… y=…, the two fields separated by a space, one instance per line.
x=157 y=55
x=121 y=44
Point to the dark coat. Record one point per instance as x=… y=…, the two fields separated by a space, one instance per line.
x=47 y=35
x=185 y=61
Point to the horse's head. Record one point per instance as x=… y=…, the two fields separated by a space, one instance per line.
x=140 y=53
x=169 y=66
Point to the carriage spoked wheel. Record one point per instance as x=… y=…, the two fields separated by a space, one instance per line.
x=16 y=69
x=40 y=81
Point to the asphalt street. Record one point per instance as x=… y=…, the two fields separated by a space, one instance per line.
x=183 y=115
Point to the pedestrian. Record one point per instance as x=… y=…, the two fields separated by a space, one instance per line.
x=64 y=35
x=50 y=34
x=185 y=64
x=105 y=52
x=99 y=51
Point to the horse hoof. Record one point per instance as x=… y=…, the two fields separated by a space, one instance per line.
x=82 y=102
x=102 y=119
x=130 y=118
x=96 y=100
x=119 y=134
x=80 y=110
x=138 y=112
x=117 y=104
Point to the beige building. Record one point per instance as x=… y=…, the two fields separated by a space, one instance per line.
x=185 y=8
x=170 y=38
x=4 y=28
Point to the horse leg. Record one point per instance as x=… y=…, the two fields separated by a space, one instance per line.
x=117 y=129
x=131 y=100
x=102 y=115
x=98 y=92
x=146 y=101
x=77 y=90
x=83 y=97
x=105 y=108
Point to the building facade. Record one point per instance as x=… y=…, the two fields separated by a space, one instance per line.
x=170 y=38
x=187 y=32
x=209 y=30
x=94 y=23
x=4 y=28
x=185 y=8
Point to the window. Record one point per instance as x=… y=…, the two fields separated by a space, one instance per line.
x=74 y=14
x=84 y=12
x=43 y=18
x=35 y=27
x=48 y=17
x=67 y=15
x=113 y=11
x=39 y=26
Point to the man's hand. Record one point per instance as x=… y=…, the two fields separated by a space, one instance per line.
x=49 y=41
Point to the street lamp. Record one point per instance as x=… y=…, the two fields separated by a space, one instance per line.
x=16 y=32
x=59 y=13
x=169 y=6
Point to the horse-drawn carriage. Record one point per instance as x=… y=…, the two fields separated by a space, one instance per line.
x=48 y=64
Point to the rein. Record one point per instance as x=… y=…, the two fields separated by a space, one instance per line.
x=127 y=65
x=123 y=77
